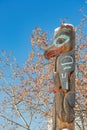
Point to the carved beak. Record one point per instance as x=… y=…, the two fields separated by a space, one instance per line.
x=52 y=51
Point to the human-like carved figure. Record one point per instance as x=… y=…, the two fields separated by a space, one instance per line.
x=63 y=50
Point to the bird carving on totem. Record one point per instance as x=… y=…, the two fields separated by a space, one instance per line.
x=64 y=76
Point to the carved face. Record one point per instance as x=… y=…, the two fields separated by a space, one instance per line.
x=63 y=41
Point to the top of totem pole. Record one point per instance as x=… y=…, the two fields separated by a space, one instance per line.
x=63 y=25
x=64 y=41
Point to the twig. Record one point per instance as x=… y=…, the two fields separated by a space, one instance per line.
x=12 y=121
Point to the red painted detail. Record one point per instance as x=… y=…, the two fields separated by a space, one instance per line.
x=55 y=90
x=54 y=52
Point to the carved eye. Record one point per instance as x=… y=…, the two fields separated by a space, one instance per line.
x=60 y=41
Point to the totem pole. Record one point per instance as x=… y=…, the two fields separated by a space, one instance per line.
x=64 y=76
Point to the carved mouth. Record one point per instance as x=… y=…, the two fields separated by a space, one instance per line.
x=53 y=53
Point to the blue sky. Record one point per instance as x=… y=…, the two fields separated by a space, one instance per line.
x=19 y=17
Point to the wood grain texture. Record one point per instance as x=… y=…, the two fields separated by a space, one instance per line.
x=64 y=79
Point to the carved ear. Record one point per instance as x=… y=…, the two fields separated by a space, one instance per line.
x=71 y=98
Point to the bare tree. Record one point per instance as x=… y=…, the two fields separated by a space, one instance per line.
x=27 y=92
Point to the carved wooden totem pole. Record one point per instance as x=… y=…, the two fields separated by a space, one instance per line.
x=64 y=76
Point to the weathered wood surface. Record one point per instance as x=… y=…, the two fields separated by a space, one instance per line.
x=64 y=77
